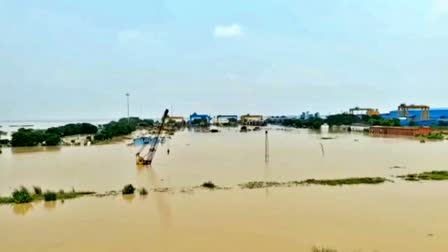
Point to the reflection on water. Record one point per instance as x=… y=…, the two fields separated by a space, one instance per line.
x=23 y=150
x=160 y=199
x=50 y=205
x=22 y=209
x=128 y=197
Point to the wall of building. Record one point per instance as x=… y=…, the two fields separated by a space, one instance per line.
x=400 y=131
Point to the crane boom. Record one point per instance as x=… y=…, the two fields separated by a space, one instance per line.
x=147 y=158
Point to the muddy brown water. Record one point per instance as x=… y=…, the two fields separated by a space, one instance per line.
x=400 y=216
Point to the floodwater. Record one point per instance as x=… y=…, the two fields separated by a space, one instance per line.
x=399 y=216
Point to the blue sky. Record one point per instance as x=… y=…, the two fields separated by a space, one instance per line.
x=65 y=59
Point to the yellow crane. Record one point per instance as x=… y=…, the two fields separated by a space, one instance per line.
x=146 y=158
x=403 y=110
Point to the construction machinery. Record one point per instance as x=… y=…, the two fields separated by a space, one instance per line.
x=147 y=157
x=403 y=110
x=369 y=111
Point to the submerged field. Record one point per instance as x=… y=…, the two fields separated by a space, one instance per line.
x=351 y=199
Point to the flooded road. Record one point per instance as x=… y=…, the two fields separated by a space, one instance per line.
x=400 y=216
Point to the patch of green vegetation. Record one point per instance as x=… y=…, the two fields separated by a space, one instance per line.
x=21 y=195
x=73 y=194
x=50 y=196
x=6 y=200
x=30 y=137
x=431 y=175
x=346 y=181
x=121 y=128
x=316 y=249
x=330 y=182
x=128 y=189
x=435 y=136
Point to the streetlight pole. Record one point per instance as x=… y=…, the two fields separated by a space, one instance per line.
x=127 y=101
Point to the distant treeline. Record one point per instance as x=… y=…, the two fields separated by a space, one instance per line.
x=30 y=137
x=314 y=121
x=121 y=128
x=74 y=129
x=52 y=136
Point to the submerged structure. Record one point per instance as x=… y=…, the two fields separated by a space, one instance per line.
x=400 y=131
x=252 y=119
x=145 y=158
x=199 y=119
x=226 y=120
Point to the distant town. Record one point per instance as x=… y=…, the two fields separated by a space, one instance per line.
x=407 y=120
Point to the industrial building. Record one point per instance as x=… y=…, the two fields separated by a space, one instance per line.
x=226 y=119
x=200 y=117
x=252 y=119
x=419 y=115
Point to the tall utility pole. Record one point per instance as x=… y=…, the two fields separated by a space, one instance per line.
x=266 y=148
x=127 y=101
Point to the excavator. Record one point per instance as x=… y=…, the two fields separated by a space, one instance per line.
x=147 y=157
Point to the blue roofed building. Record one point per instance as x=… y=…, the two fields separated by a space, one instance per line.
x=200 y=117
x=437 y=116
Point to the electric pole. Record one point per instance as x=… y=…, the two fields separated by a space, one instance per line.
x=127 y=101
x=266 y=148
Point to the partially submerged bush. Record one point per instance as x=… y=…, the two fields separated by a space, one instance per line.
x=21 y=195
x=143 y=191
x=128 y=189
x=37 y=190
x=209 y=185
x=50 y=196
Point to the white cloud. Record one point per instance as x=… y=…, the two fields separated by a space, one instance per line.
x=127 y=36
x=228 y=31
x=440 y=7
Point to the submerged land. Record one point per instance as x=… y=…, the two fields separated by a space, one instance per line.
x=302 y=199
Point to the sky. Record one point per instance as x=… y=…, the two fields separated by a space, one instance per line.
x=65 y=59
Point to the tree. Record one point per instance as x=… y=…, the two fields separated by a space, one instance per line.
x=52 y=140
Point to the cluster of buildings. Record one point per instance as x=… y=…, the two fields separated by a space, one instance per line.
x=223 y=120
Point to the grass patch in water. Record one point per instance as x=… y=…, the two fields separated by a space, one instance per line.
x=260 y=184
x=330 y=182
x=315 y=249
x=6 y=200
x=346 y=181
x=22 y=195
x=431 y=175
